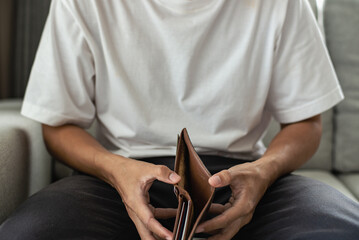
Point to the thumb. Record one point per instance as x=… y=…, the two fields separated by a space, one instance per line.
x=221 y=179
x=164 y=174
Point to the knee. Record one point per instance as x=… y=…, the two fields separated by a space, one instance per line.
x=322 y=212
x=39 y=217
x=26 y=226
x=297 y=208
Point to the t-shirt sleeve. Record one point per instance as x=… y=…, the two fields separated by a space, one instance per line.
x=304 y=83
x=61 y=85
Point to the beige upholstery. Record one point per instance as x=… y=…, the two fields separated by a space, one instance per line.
x=351 y=180
x=25 y=165
x=14 y=162
x=39 y=160
x=328 y=178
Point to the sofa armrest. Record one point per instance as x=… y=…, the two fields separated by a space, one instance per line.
x=25 y=165
x=14 y=174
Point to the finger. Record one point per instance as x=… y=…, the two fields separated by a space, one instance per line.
x=154 y=226
x=141 y=229
x=226 y=233
x=230 y=230
x=164 y=213
x=229 y=216
x=164 y=174
x=221 y=179
x=213 y=224
x=219 y=208
x=216 y=208
x=217 y=223
x=157 y=238
x=146 y=216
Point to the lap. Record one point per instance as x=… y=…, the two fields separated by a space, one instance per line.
x=83 y=207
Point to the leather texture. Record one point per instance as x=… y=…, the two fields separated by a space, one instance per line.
x=193 y=191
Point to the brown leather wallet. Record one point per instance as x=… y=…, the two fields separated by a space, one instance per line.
x=193 y=192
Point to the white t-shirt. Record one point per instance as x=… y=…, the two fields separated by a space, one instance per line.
x=145 y=69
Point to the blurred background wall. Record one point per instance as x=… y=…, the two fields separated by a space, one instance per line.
x=6 y=40
x=21 y=24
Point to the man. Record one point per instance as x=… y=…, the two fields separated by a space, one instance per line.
x=146 y=69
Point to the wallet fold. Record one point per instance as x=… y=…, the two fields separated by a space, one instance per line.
x=193 y=192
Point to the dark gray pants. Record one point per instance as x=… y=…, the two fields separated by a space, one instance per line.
x=83 y=207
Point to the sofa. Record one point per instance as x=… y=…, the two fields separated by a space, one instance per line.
x=26 y=166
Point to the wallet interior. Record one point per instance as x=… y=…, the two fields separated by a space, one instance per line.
x=193 y=191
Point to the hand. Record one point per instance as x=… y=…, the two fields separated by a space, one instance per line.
x=133 y=179
x=248 y=184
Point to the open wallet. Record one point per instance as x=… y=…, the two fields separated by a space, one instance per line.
x=193 y=192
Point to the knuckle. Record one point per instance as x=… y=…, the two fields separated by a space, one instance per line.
x=131 y=202
x=226 y=175
x=128 y=202
x=148 y=223
x=247 y=219
x=225 y=220
x=162 y=170
x=249 y=209
x=251 y=206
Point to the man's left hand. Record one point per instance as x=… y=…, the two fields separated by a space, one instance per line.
x=248 y=183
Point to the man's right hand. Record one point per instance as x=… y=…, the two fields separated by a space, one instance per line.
x=133 y=179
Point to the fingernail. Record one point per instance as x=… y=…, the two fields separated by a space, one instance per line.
x=168 y=238
x=174 y=177
x=199 y=230
x=216 y=180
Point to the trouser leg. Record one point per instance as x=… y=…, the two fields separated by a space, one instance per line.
x=78 y=207
x=299 y=208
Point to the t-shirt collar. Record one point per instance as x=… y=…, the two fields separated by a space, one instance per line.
x=184 y=6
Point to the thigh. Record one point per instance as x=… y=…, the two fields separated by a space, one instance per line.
x=77 y=207
x=299 y=208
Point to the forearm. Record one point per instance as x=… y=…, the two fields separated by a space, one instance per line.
x=291 y=148
x=78 y=149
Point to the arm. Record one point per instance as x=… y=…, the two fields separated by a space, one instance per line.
x=131 y=178
x=294 y=145
x=291 y=148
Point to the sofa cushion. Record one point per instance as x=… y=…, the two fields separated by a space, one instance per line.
x=351 y=180
x=341 y=22
x=328 y=178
